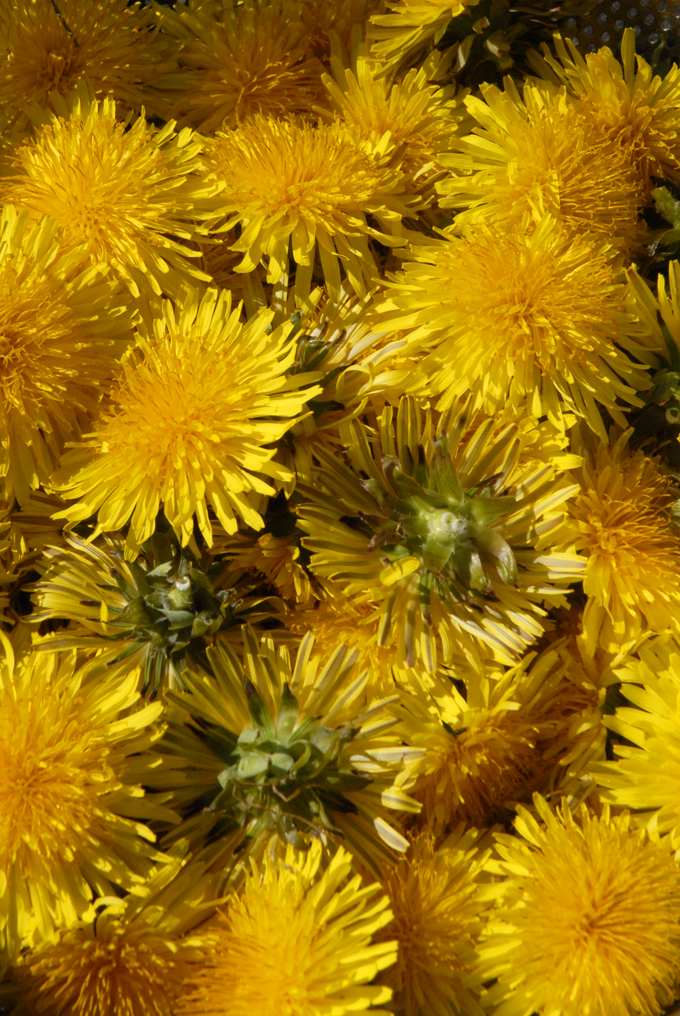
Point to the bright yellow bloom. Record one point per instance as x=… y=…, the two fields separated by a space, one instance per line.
x=73 y=756
x=437 y=519
x=354 y=621
x=412 y=25
x=241 y=59
x=646 y=773
x=538 y=154
x=135 y=957
x=192 y=419
x=292 y=750
x=296 y=942
x=62 y=330
x=438 y=911
x=588 y=922
x=495 y=744
x=411 y=121
x=49 y=47
x=129 y=193
x=537 y=319
x=273 y=559
x=625 y=529
x=306 y=191
x=634 y=109
x=338 y=16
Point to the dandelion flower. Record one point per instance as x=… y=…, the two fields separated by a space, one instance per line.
x=273 y=558
x=645 y=775
x=156 y=613
x=419 y=119
x=354 y=621
x=438 y=520
x=411 y=26
x=73 y=755
x=62 y=330
x=538 y=319
x=272 y=747
x=48 y=47
x=587 y=922
x=299 y=189
x=437 y=908
x=135 y=957
x=129 y=192
x=341 y=17
x=626 y=531
x=538 y=154
x=634 y=109
x=296 y=940
x=492 y=743
x=190 y=424
x=241 y=59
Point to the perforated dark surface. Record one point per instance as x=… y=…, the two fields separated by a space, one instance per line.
x=653 y=21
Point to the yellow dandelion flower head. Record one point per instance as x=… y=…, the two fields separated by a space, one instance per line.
x=539 y=154
x=587 y=924
x=274 y=745
x=129 y=192
x=274 y=557
x=489 y=740
x=134 y=957
x=341 y=17
x=192 y=419
x=437 y=519
x=434 y=897
x=421 y=119
x=72 y=758
x=50 y=47
x=298 y=188
x=627 y=533
x=322 y=963
x=32 y=527
x=538 y=318
x=354 y=621
x=241 y=59
x=645 y=774
x=62 y=329
x=635 y=108
x=411 y=25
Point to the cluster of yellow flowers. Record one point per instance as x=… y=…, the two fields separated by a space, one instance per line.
x=339 y=516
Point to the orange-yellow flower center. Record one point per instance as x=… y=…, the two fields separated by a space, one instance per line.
x=51 y=771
